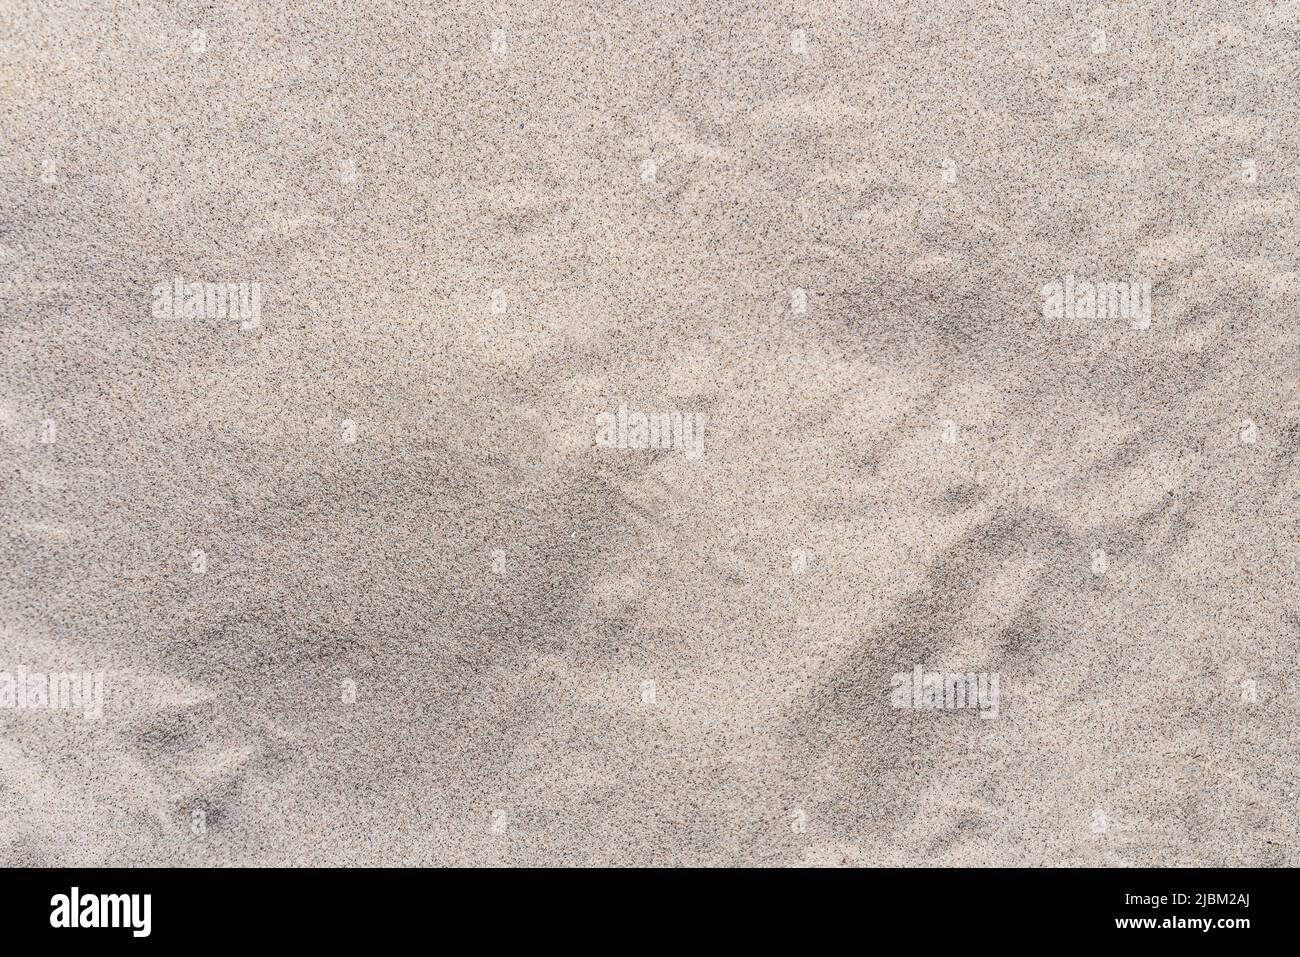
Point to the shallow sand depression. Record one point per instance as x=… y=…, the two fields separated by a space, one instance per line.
x=508 y=434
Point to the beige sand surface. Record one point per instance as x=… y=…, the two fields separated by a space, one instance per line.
x=470 y=244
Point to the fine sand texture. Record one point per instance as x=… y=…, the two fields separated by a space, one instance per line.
x=327 y=331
